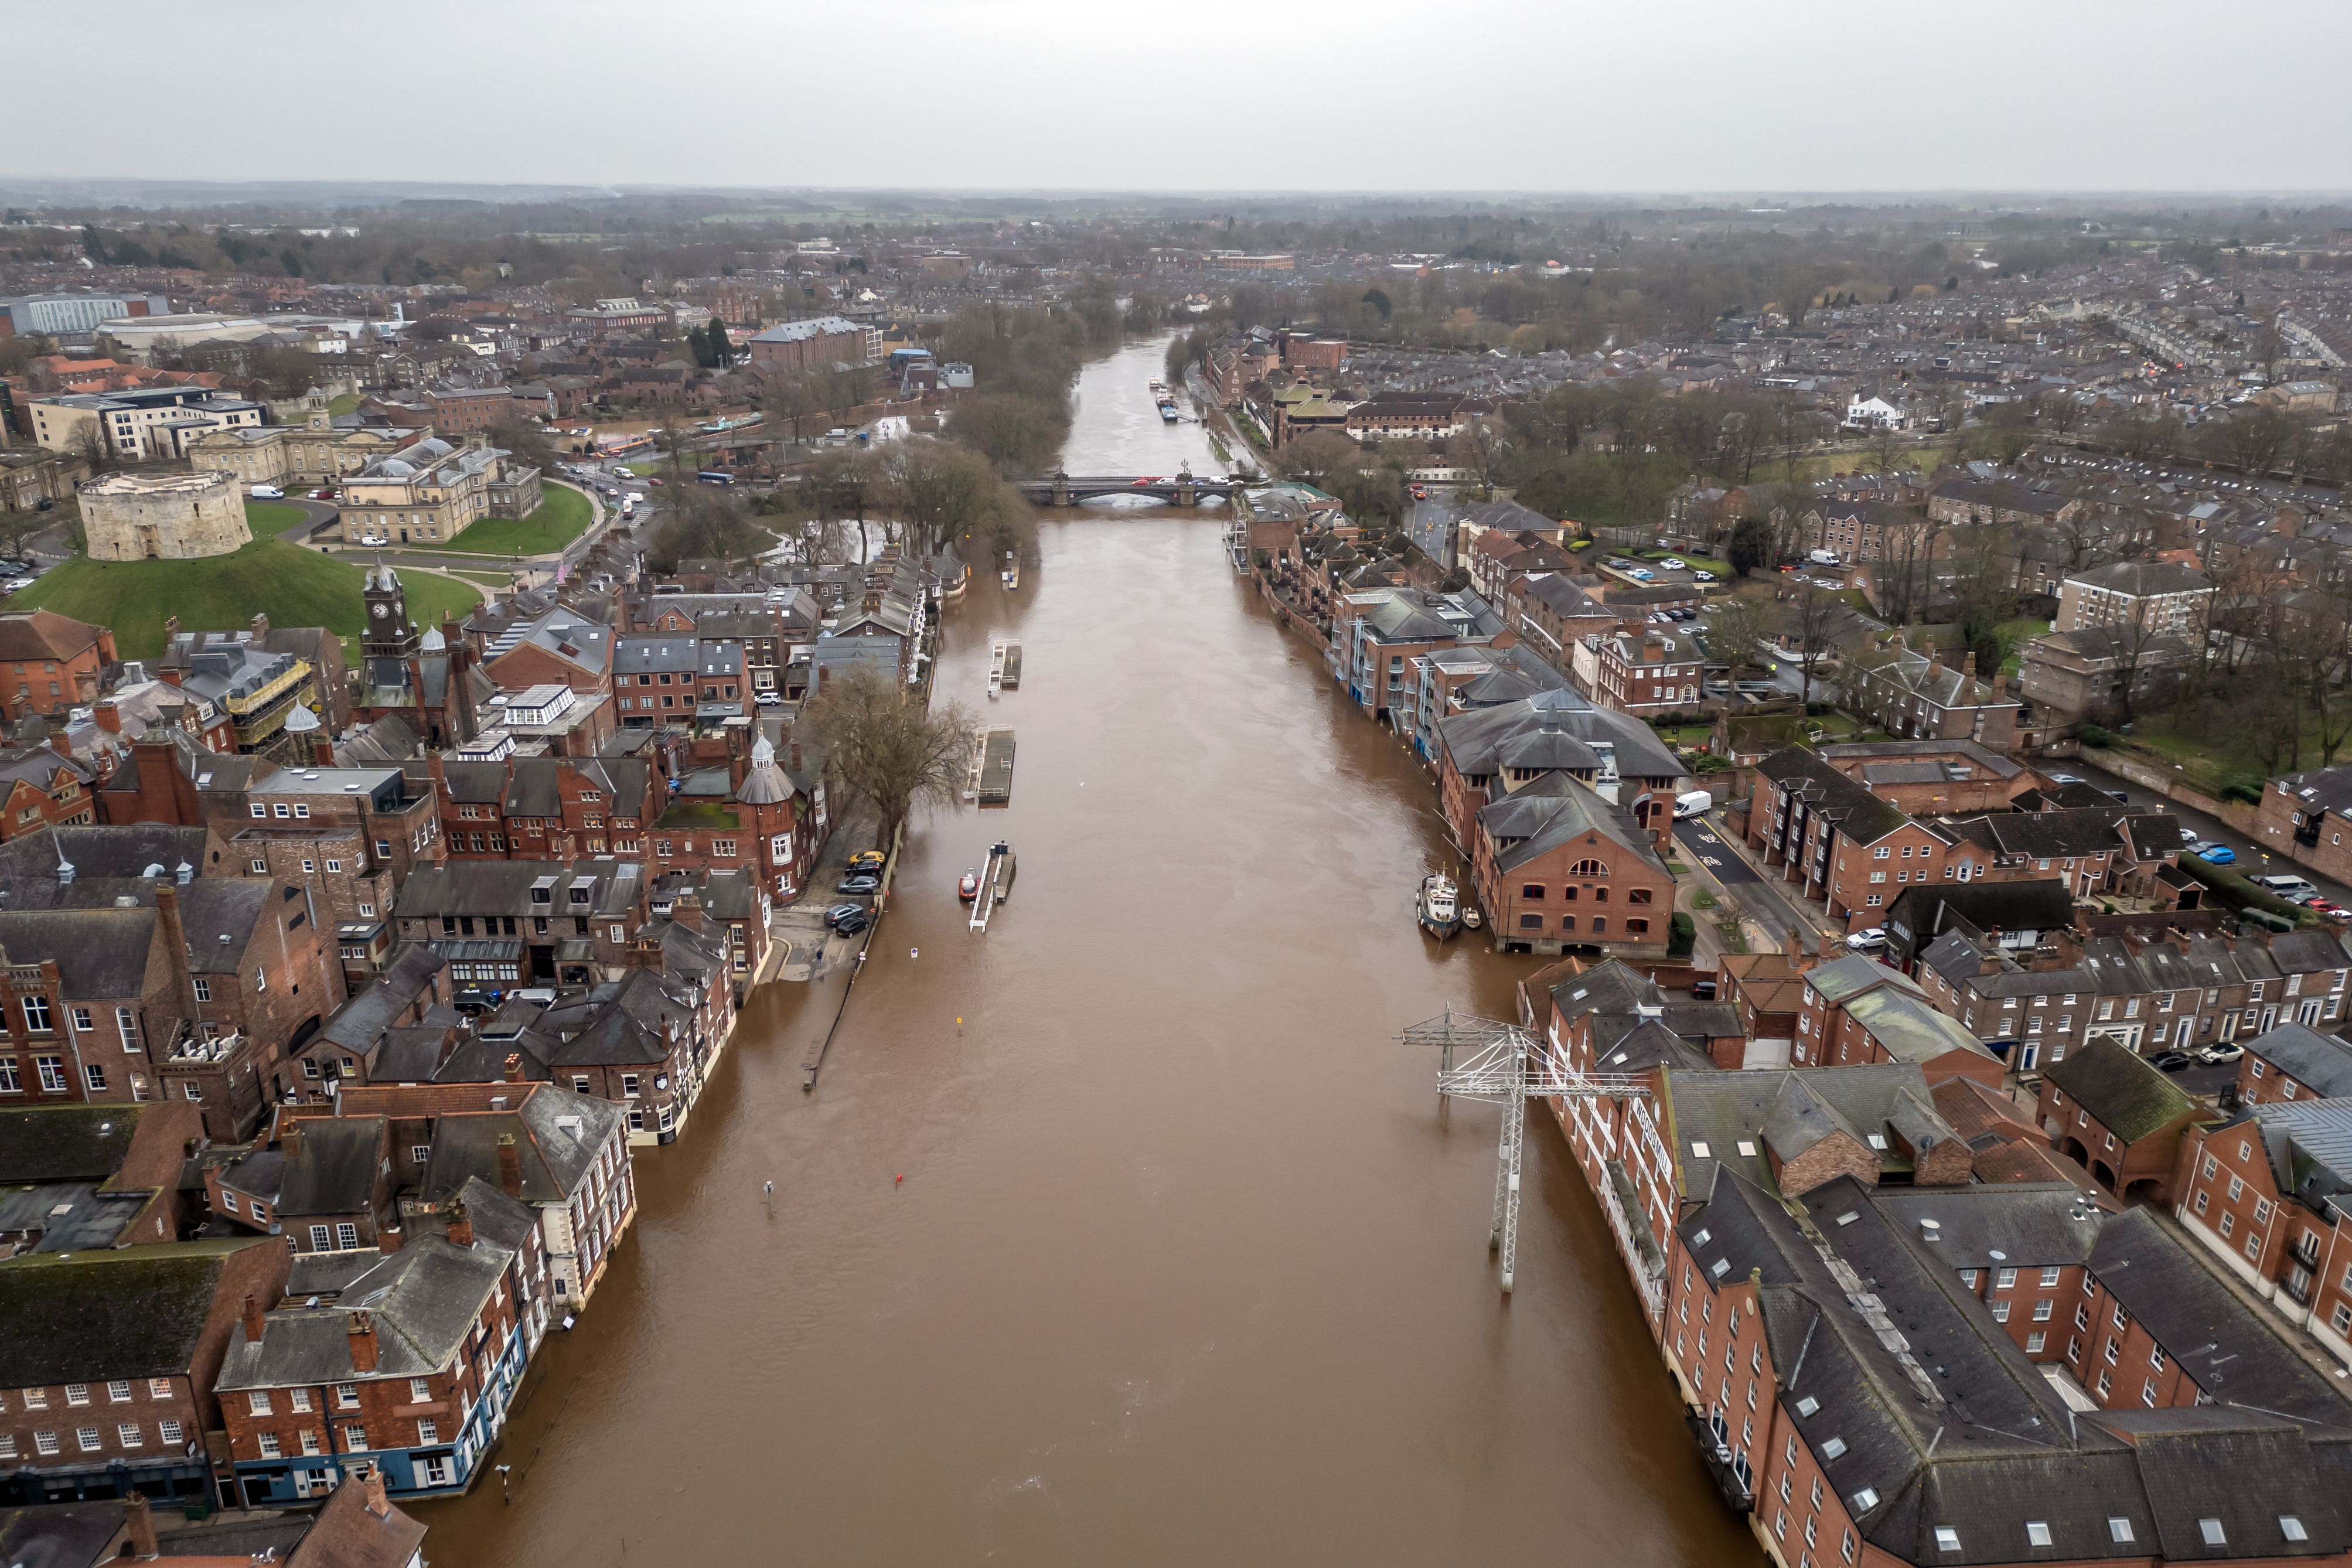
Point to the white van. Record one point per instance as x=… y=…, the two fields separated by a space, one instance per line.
x=1823 y=557
x=1695 y=803
x=2286 y=886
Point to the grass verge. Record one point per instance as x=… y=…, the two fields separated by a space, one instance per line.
x=563 y=515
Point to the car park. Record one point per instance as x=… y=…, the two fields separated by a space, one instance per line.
x=2327 y=909
x=2172 y=1061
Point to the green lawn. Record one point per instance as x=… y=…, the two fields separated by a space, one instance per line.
x=651 y=466
x=1696 y=563
x=298 y=588
x=563 y=516
x=268 y=519
x=347 y=403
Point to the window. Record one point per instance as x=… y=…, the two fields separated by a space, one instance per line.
x=95 y=1076
x=1946 y=1539
x=299 y=1399
x=2042 y=1310
x=347 y=1395
x=89 y=1439
x=310 y=1440
x=126 y=1024
x=228 y=1201
x=2037 y=1532
x=37 y=1015
x=268 y=1443
x=257 y=1401
x=2292 y=1528
x=77 y=1393
x=204 y=990
x=321 y=1240
x=45 y=1442
x=159 y=1388
x=128 y=1434
x=2049 y=1276
x=167 y=1432
x=428 y=1431
x=347 y=1235
x=355 y=1437
x=2211 y=1533
x=2034 y=1342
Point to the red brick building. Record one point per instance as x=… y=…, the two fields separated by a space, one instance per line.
x=49 y=662
x=2113 y=1112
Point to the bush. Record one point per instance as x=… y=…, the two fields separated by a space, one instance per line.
x=1709 y=762
x=1682 y=937
x=1820 y=709
x=2249 y=794
x=2093 y=735
x=2237 y=892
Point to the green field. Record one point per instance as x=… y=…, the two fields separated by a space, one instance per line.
x=348 y=403
x=563 y=516
x=266 y=518
x=296 y=587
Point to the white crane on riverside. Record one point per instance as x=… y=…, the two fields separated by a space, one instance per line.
x=1494 y=1063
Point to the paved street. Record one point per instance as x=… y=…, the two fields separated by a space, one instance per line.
x=2251 y=860
x=1763 y=898
x=1430 y=525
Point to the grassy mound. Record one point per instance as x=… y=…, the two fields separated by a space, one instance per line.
x=266 y=519
x=296 y=588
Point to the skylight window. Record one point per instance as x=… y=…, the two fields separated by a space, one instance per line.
x=2120 y=1530
x=1719 y=1269
x=1699 y=1149
x=1833 y=1448
x=1946 y=1539
x=2212 y=1532
x=1701 y=1238
x=1747 y=1149
x=1865 y=1501
x=2037 y=1532
x=1848 y=1218
x=1878 y=1141
x=2292 y=1528
x=1808 y=1405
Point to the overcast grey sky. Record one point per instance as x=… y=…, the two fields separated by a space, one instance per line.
x=1558 y=95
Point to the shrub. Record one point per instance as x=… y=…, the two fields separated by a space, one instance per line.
x=2250 y=794
x=2093 y=735
x=1820 y=709
x=1682 y=935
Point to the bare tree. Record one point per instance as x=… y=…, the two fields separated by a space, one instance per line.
x=1817 y=621
x=889 y=749
x=1479 y=450
x=1736 y=632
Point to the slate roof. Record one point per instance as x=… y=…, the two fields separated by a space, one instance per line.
x=1474 y=739
x=2123 y=1090
x=135 y=1312
x=1554 y=811
x=2141 y=579
x=2321 y=1062
x=1725 y=1109
x=1858 y=814
x=424 y=1300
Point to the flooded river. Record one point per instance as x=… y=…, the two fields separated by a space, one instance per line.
x=1187 y=1266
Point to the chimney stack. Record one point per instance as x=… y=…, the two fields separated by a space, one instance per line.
x=387 y=1241
x=1968 y=665
x=370 y=1479
x=322 y=752
x=252 y=1320
x=260 y=626
x=176 y=944
x=514 y=1066
x=509 y=1165
x=289 y=1138
x=461 y=1225
x=362 y=1334
x=139 y=1522
x=109 y=715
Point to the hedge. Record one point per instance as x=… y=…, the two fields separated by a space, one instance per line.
x=2237 y=891
x=1682 y=937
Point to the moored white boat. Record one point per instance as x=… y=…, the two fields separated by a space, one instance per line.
x=1439 y=906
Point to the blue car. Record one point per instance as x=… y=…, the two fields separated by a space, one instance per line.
x=2218 y=855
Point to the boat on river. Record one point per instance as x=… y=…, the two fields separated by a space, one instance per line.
x=969 y=889
x=1439 y=906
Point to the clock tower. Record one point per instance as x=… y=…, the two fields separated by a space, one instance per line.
x=388 y=636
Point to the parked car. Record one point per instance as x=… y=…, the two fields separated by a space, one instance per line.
x=1643 y=575
x=1671 y=564
x=2215 y=1055
x=2172 y=1061
x=1871 y=941
x=840 y=912
x=863 y=882
x=375 y=541
x=1702 y=576
x=768 y=698
x=2218 y=855
x=267 y=493
x=2120 y=795
x=850 y=925
x=2328 y=909
x=866 y=862
x=2065 y=779
x=2188 y=836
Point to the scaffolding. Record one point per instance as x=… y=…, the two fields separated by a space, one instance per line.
x=1489 y=1062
